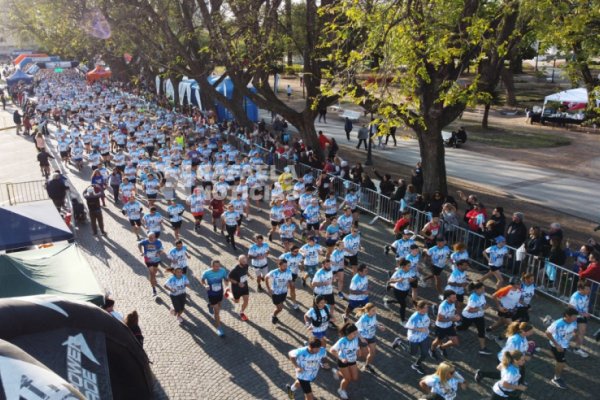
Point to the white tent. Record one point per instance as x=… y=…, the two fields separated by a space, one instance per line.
x=579 y=95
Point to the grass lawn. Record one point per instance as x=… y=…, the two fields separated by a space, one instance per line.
x=513 y=139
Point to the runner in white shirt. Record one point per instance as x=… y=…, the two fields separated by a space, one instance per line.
x=444 y=383
x=177 y=285
x=179 y=256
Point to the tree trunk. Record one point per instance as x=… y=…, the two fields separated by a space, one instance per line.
x=509 y=86
x=288 y=27
x=431 y=146
x=486 y=113
x=305 y=123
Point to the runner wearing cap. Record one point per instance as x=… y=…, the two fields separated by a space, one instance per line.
x=495 y=257
x=177 y=285
x=151 y=249
x=213 y=280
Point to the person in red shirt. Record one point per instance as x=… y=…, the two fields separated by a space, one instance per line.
x=402 y=223
x=476 y=217
x=323 y=140
x=217 y=206
x=592 y=271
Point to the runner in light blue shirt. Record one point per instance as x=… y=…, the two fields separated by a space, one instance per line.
x=306 y=361
x=580 y=300
x=213 y=279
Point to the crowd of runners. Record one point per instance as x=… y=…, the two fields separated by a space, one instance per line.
x=142 y=156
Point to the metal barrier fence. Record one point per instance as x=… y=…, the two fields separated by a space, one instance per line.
x=23 y=192
x=552 y=280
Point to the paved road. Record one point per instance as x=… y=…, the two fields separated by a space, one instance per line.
x=191 y=362
x=558 y=191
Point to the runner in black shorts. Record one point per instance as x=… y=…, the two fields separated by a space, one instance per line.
x=239 y=284
x=301 y=358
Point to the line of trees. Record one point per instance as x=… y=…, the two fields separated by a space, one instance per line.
x=403 y=60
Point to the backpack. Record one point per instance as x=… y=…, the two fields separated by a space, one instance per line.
x=319 y=320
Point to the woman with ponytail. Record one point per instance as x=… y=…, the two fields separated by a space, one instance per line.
x=508 y=387
x=367 y=327
x=443 y=385
x=517 y=334
x=346 y=351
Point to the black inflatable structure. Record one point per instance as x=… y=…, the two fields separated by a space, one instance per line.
x=90 y=349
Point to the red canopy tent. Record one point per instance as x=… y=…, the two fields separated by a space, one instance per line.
x=98 y=73
x=20 y=57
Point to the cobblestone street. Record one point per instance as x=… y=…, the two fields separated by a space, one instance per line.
x=191 y=362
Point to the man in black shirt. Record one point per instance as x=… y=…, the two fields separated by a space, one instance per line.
x=43 y=158
x=92 y=197
x=239 y=284
x=57 y=190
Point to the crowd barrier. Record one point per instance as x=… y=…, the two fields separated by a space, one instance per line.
x=555 y=281
x=23 y=192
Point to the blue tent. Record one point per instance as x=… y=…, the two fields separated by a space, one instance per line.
x=226 y=89
x=29 y=224
x=18 y=76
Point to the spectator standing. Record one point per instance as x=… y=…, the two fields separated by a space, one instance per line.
x=348 y=127
x=363 y=135
x=516 y=232
x=17 y=119
x=57 y=190
x=92 y=196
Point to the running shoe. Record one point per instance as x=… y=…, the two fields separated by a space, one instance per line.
x=180 y=320
x=369 y=368
x=335 y=371
x=397 y=343
x=220 y=332
x=343 y=394
x=478 y=376
x=559 y=383
x=260 y=288
x=274 y=319
x=295 y=306
x=386 y=249
x=211 y=311
x=581 y=353
x=154 y=294
x=433 y=354
x=485 y=351
x=227 y=293
x=547 y=320
x=290 y=393
x=386 y=303
x=243 y=317
x=417 y=368
x=173 y=312
x=341 y=295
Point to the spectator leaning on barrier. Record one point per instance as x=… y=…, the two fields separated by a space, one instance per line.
x=592 y=270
